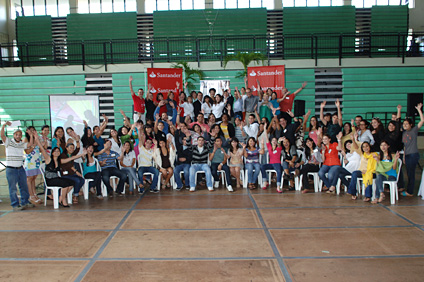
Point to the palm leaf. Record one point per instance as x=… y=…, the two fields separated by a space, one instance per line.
x=190 y=74
x=245 y=59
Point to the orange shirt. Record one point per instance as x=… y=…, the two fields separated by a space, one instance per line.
x=332 y=155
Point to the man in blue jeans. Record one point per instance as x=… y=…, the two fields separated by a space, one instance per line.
x=15 y=173
x=200 y=155
x=145 y=161
x=183 y=164
x=218 y=158
x=107 y=161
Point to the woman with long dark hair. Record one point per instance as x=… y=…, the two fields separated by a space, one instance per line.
x=53 y=162
x=128 y=166
x=236 y=159
x=274 y=162
x=310 y=163
x=59 y=139
x=251 y=153
x=165 y=158
x=411 y=156
x=90 y=171
x=387 y=169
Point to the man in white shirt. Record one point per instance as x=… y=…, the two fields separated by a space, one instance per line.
x=15 y=173
x=252 y=128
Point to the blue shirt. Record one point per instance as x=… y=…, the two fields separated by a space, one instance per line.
x=100 y=142
x=275 y=105
x=110 y=159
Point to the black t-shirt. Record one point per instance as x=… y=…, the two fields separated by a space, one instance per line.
x=150 y=109
x=160 y=136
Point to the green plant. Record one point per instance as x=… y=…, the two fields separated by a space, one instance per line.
x=190 y=73
x=245 y=59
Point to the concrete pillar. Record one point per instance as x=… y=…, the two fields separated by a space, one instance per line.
x=208 y=4
x=141 y=6
x=278 y=5
x=347 y=2
x=73 y=6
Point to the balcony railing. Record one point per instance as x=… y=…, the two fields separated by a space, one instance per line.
x=213 y=48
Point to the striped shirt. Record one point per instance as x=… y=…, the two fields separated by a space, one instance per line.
x=14 y=152
x=110 y=159
x=145 y=157
x=201 y=155
x=252 y=156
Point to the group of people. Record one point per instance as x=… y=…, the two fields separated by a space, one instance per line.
x=210 y=137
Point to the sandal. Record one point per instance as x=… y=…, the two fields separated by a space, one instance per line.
x=304 y=191
x=74 y=200
x=354 y=197
x=406 y=194
x=366 y=199
x=279 y=191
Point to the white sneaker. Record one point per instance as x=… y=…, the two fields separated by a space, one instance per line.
x=216 y=184
x=192 y=189
x=210 y=188
x=230 y=189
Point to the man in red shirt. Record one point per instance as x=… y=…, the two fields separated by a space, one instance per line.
x=286 y=102
x=139 y=103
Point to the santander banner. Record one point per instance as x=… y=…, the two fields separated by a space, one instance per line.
x=164 y=80
x=268 y=76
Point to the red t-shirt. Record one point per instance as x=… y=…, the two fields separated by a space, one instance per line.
x=287 y=103
x=139 y=104
x=181 y=108
x=332 y=155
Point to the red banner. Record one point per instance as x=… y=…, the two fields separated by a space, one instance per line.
x=165 y=80
x=268 y=77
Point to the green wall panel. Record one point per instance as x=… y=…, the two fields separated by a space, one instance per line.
x=26 y=98
x=381 y=91
x=201 y=24
x=35 y=29
x=102 y=28
x=300 y=23
x=385 y=19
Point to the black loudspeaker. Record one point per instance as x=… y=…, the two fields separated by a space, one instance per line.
x=413 y=100
x=299 y=108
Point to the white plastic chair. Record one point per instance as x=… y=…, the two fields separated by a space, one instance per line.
x=104 y=189
x=87 y=181
x=55 y=191
x=245 y=176
x=297 y=179
x=393 y=185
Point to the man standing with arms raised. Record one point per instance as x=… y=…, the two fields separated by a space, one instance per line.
x=15 y=172
x=139 y=103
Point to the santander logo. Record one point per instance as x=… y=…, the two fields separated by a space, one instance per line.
x=153 y=90
x=152 y=75
x=253 y=73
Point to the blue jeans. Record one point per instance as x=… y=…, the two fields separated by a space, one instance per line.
x=225 y=168
x=276 y=167
x=342 y=173
x=17 y=176
x=79 y=182
x=252 y=177
x=177 y=170
x=379 y=188
x=353 y=181
x=411 y=162
x=113 y=171
x=132 y=176
x=200 y=167
x=149 y=169
x=332 y=178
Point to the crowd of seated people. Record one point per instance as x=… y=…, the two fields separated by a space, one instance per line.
x=238 y=138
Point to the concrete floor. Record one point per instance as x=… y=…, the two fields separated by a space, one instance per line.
x=257 y=235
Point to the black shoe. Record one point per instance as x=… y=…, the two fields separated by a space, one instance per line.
x=65 y=206
x=141 y=191
x=154 y=190
x=179 y=188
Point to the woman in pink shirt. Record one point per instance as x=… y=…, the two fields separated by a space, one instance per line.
x=274 y=151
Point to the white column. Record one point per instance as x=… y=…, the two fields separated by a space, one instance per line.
x=141 y=7
x=278 y=5
x=347 y=2
x=73 y=6
x=208 y=4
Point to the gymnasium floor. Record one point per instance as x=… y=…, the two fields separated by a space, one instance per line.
x=214 y=236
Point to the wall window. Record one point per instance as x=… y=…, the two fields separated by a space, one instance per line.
x=356 y=3
x=234 y=4
x=173 y=5
x=54 y=8
x=106 y=6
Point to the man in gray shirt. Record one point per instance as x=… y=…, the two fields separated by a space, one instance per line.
x=250 y=103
